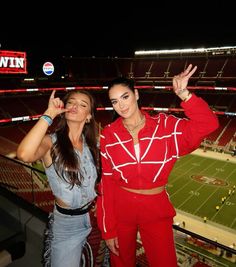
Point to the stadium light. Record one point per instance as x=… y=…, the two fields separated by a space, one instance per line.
x=213 y=50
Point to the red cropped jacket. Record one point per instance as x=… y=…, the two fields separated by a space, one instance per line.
x=162 y=140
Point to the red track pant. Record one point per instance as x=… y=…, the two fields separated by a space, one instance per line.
x=152 y=216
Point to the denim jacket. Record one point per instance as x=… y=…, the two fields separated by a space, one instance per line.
x=77 y=196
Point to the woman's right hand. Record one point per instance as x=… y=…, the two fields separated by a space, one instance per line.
x=113 y=245
x=55 y=106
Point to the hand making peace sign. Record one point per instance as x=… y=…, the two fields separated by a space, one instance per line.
x=180 y=81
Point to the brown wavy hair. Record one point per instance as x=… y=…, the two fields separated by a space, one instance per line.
x=64 y=157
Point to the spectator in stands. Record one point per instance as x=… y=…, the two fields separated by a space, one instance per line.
x=70 y=155
x=138 y=152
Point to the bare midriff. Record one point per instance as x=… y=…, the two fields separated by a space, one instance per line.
x=151 y=191
x=61 y=203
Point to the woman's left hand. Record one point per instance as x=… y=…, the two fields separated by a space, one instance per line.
x=180 y=81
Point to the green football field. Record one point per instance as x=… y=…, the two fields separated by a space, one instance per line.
x=205 y=187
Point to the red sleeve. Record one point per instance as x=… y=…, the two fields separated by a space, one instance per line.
x=105 y=201
x=200 y=123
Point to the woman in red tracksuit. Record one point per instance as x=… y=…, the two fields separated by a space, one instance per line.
x=138 y=152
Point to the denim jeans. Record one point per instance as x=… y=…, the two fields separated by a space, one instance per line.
x=65 y=238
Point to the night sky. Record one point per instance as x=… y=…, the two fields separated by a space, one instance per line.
x=117 y=30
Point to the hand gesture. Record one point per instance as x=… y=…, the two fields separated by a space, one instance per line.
x=180 y=81
x=113 y=245
x=55 y=105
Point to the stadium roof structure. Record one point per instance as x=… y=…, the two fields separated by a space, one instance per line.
x=216 y=67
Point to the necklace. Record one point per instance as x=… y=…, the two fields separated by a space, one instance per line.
x=131 y=131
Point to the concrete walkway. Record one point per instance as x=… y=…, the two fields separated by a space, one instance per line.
x=214 y=155
x=210 y=230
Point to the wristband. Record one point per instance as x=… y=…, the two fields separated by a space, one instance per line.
x=180 y=91
x=47 y=118
x=187 y=97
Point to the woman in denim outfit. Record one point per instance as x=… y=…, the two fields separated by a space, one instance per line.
x=70 y=156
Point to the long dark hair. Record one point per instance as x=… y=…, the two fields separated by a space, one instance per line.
x=63 y=154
